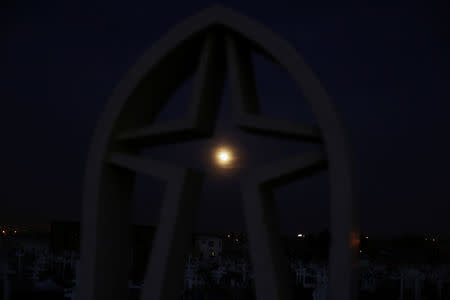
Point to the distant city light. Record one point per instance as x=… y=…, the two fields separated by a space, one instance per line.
x=355 y=239
x=360 y=251
x=434 y=240
x=367 y=237
x=3 y=231
x=300 y=235
x=228 y=236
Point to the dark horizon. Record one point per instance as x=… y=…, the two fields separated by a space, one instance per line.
x=45 y=227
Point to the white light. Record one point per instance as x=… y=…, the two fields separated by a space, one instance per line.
x=224 y=156
x=300 y=235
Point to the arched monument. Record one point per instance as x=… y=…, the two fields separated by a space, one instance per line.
x=215 y=43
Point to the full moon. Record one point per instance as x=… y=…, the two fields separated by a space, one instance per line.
x=224 y=157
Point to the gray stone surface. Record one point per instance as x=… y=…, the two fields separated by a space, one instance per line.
x=208 y=44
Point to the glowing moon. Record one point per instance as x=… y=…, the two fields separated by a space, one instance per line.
x=224 y=157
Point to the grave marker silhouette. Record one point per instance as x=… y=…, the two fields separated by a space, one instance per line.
x=212 y=44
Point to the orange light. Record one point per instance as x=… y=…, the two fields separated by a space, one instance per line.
x=3 y=231
x=354 y=239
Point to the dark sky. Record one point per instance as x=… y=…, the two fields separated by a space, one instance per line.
x=386 y=67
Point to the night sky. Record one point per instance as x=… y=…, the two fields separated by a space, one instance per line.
x=386 y=68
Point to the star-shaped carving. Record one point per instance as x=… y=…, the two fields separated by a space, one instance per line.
x=222 y=51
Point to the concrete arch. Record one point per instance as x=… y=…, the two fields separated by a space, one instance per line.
x=127 y=123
